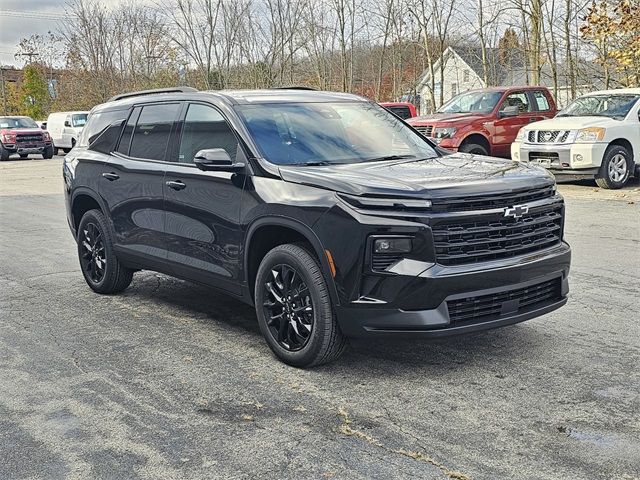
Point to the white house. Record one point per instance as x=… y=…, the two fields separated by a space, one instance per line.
x=463 y=71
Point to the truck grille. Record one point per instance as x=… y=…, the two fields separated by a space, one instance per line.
x=29 y=138
x=548 y=136
x=486 y=202
x=496 y=236
x=511 y=302
x=425 y=129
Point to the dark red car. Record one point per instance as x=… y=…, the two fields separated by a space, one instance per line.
x=486 y=121
x=22 y=136
x=404 y=110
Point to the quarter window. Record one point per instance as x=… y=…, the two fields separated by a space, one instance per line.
x=541 y=101
x=152 y=131
x=205 y=128
x=102 y=130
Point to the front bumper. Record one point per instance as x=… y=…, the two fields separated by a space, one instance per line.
x=27 y=148
x=562 y=159
x=436 y=290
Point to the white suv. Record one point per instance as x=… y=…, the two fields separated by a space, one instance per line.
x=597 y=135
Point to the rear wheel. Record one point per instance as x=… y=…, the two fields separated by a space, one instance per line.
x=101 y=268
x=294 y=308
x=615 y=169
x=473 y=148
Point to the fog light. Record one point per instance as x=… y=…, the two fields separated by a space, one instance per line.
x=392 y=245
x=565 y=165
x=578 y=158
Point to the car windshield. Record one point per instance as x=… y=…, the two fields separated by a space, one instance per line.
x=613 y=106
x=17 y=122
x=79 y=119
x=472 y=102
x=331 y=133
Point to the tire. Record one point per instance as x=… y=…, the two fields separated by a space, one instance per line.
x=474 y=148
x=66 y=150
x=95 y=248
x=615 y=169
x=48 y=153
x=296 y=272
x=23 y=155
x=4 y=154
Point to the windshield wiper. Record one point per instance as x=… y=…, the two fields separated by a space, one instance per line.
x=319 y=163
x=388 y=157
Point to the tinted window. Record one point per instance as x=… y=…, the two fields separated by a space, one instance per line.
x=125 y=140
x=519 y=100
x=402 y=112
x=102 y=123
x=151 y=134
x=541 y=100
x=205 y=128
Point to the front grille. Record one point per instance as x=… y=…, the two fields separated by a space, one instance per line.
x=497 y=236
x=548 y=136
x=381 y=261
x=511 y=302
x=36 y=137
x=486 y=202
x=425 y=130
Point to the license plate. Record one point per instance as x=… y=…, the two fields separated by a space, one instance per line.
x=543 y=162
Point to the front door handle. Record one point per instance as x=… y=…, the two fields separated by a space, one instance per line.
x=111 y=176
x=176 y=184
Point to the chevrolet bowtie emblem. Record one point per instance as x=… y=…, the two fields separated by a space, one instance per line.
x=517 y=211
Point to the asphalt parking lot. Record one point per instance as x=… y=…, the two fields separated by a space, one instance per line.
x=172 y=380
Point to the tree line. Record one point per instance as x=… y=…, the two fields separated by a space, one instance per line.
x=377 y=48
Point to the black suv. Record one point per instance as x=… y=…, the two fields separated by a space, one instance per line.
x=328 y=213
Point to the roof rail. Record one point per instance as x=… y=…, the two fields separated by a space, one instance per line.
x=152 y=92
x=296 y=87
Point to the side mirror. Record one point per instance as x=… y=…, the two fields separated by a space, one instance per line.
x=67 y=123
x=43 y=126
x=510 y=111
x=216 y=160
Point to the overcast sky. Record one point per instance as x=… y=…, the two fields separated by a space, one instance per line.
x=23 y=18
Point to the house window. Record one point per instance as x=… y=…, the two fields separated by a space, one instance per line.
x=454 y=89
x=465 y=76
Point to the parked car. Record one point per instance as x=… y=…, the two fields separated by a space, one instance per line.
x=65 y=128
x=326 y=212
x=486 y=121
x=22 y=136
x=596 y=136
x=404 y=110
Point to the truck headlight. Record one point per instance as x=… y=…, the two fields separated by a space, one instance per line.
x=440 y=133
x=520 y=135
x=589 y=135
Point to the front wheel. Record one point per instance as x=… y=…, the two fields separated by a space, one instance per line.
x=4 y=154
x=474 y=148
x=48 y=153
x=294 y=308
x=101 y=268
x=615 y=169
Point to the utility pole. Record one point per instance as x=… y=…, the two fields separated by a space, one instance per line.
x=4 y=93
x=30 y=55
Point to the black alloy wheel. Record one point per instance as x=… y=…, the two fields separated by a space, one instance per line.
x=93 y=255
x=288 y=307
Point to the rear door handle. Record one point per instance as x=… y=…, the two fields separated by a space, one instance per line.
x=176 y=184
x=111 y=176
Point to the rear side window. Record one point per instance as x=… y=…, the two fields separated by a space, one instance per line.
x=152 y=131
x=402 y=112
x=541 y=100
x=102 y=130
x=125 y=140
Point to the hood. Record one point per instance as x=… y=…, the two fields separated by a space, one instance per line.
x=20 y=130
x=447 y=118
x=572 y=123
x=451 y=175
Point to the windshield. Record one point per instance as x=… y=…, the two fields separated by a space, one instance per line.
x=472 y=102
x=79 y=119
x=17 y=122
x=328 y=133
x=613 y=106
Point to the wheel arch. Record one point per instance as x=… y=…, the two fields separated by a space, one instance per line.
x=623 y=142
x=269 y=232
x=83 y=200
x=477 y=138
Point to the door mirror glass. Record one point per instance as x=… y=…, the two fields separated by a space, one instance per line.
x=67 y=123
x=216 y=159
x=511 y=111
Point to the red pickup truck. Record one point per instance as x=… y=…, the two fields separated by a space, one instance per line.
x=486 y=121
x=23 y=136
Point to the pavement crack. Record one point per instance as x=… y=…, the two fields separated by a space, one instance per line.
x=346 y=428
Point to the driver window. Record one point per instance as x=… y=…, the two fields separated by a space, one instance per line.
x=205 y=128
x=520 y=100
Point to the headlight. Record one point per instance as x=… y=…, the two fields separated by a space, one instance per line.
x=9 y=138
x=440 y=133
x=392 y=245
x=520 y=135
x=593 y=134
